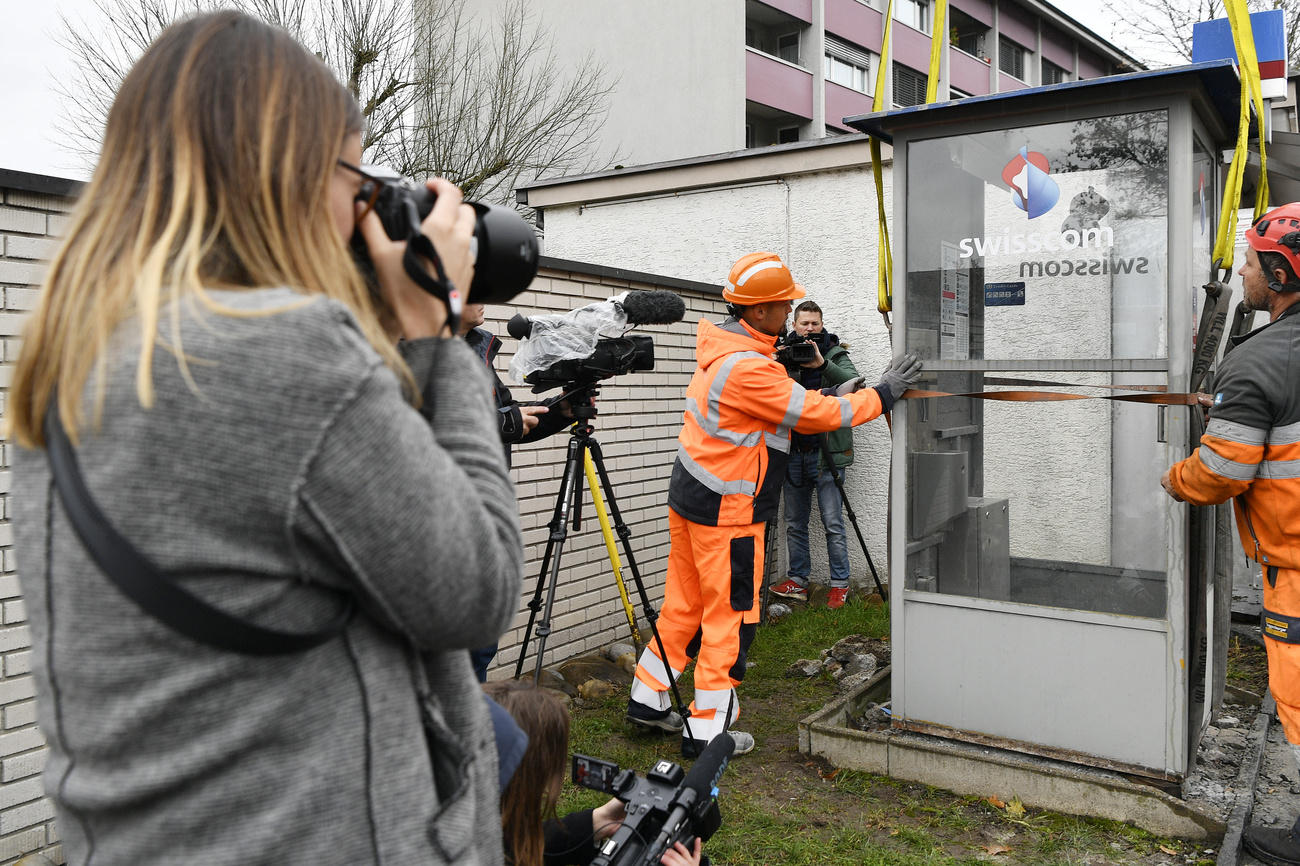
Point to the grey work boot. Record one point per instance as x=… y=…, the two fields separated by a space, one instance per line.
x=653 y=720
x=1274 y=847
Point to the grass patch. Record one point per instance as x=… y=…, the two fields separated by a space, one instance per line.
x=782 y=807
x=1247 y=665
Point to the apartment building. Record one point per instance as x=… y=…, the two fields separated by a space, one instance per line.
x=693 y=78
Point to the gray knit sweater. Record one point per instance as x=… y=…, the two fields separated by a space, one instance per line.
x=297 y=472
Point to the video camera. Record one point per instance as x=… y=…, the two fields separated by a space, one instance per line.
x=666 y=806
x=581 y=347
x=794 y=350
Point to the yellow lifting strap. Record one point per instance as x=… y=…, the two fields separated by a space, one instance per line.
x=884 y=257
x=1243 y=39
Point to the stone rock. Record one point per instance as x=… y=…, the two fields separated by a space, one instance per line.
x=579 y=670
x=804 y=668
x=846 y=648
x=553 y=679
x=861 y=663
x=833 y=668
x=849 y=682
x=1227 y=721
x=615 y=651
x=1215 y=756
x=594 y=689
x=777 y=611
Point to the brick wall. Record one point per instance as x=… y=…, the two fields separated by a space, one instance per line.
x=639 y=417
x=32 y=215
x=637 y=425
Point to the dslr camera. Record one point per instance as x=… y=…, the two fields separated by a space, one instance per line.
x=506 y=246
x=793 y=350
x=668 y=805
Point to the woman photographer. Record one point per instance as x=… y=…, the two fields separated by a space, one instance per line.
x=243 y=420
x=533 y=835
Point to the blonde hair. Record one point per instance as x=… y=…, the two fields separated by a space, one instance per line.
x=215 y=172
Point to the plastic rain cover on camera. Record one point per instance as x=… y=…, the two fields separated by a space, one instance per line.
x=568 y=336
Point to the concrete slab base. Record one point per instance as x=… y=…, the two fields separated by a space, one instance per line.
x=985 y=771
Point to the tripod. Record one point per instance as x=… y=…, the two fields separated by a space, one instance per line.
x=584 y=453
x=824 y=441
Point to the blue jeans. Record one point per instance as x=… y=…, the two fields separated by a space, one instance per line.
x=802 y=477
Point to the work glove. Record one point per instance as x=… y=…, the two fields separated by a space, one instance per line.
x=898 y=377
x=844 y=389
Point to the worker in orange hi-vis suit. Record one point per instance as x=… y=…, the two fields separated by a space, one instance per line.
x=740 y=408
x=1251 y=453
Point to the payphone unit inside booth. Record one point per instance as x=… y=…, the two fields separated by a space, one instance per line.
x=1047 y=595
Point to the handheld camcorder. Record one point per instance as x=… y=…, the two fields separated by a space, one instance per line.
x=506 y=246
x=794 y=350
x=581 y=347
x=666 y=806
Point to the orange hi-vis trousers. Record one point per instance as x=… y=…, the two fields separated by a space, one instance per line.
x=710 y=612
x=1281 y=626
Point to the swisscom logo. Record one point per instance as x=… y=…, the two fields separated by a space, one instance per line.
x=1033 y=190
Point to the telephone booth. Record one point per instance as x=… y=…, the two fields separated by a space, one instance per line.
x=1047 y=596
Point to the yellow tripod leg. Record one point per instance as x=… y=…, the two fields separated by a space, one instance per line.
x=593 y=484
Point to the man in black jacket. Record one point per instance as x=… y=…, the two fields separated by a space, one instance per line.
x=519 y=422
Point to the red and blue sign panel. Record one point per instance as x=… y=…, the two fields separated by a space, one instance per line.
x=1212 y=40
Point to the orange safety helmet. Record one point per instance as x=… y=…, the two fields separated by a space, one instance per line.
x=760 y=278
x=1278 y=231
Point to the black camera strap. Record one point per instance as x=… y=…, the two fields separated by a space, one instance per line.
x=140 y=580
x=419 y=246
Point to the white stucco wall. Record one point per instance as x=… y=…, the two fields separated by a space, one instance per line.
x=677 y=68
x=824 y=226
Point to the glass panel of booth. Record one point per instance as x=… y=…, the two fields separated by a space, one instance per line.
x=1036 y=260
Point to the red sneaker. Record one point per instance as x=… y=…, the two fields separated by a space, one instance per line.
x=839 y=595
x=790 y=589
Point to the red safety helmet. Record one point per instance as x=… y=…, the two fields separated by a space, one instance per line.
x=1278 y=231
x=760 y=278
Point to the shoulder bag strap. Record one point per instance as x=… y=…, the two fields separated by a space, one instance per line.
x=141 y=581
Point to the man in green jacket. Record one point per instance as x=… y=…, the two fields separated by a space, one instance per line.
x=807 y=470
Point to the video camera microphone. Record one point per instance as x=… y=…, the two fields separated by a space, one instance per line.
x=653 y=308
x=641 y=308
x=666 y=806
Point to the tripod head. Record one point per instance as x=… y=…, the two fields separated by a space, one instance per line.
x=581 y=397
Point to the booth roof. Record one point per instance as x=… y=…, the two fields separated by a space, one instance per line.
x=1219 y=77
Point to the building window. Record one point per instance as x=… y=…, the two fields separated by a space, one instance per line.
x=847 y=65
x=787 y=134
x=955 y=94
x=1011 y=58
x=787 y=47
x=968 y=34
x=1053 y=74
x=913 y=13
x=909 y=86
x=749 y=136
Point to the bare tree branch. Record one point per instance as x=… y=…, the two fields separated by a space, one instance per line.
x=481 y=101
x=1164 y=27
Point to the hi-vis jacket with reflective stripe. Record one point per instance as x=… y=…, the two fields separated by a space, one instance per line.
x=740 y=408
x=1251 y=448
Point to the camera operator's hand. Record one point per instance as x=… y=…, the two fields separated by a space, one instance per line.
x=606 y=819
x=530 y=415
x=844 y=389
x=901 y=373
x=679 y=856
x=450 y=226
x=818 y=361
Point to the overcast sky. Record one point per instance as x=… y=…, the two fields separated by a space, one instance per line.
x=32 y=63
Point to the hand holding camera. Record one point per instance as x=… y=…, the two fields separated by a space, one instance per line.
x=450 y=226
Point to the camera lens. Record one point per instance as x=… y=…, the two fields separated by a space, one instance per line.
x=506 y=259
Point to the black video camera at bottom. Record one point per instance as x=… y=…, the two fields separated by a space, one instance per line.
x=667 y=806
